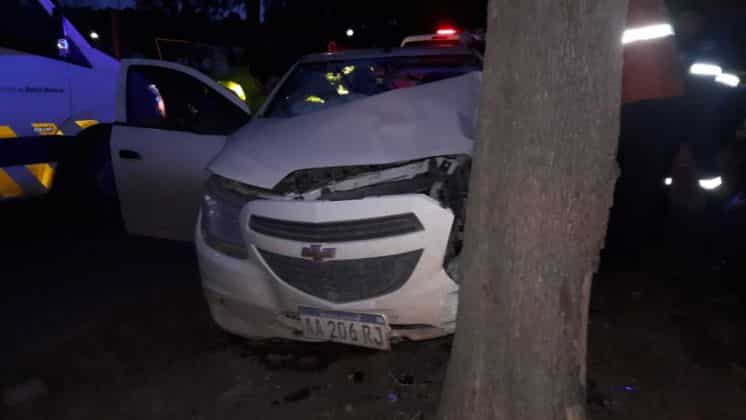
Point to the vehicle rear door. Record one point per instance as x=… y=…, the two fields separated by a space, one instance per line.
x=171 y=121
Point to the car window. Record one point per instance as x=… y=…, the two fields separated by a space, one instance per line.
x=320 y=85
x=27 y=27
x=33 y=30
x=159 y=97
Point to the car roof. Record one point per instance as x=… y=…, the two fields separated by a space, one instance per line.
x=430 y=38
x=382 y=53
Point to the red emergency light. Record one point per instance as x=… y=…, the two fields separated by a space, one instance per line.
x=447 y=30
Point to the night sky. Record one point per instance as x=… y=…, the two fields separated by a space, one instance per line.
x=710 y=6
x=100 y=3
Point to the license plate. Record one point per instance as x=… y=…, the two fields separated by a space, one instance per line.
x=365 y=330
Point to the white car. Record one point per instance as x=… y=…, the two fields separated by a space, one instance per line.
x=341 y=201
x=337 y=213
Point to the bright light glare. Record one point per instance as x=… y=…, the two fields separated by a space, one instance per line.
x=646 y=33
x=235 y=88
x=350 y=33
x=704 y=69
x=668 y=181
x=446 y=31
x=728 y=79
x=93 y=35
x=333 y=77
x=711 y=183
x=315 y=100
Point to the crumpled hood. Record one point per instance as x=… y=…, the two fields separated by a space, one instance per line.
x=407 y=124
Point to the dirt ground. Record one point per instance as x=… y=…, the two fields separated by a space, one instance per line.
x=104 y=329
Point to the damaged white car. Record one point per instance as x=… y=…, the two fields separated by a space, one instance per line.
x=337 y=214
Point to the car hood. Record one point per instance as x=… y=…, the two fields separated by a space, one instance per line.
x=428 y=120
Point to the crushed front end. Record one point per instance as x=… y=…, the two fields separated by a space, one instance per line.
x=375 y=239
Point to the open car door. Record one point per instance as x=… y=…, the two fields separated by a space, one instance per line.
x=171 y=121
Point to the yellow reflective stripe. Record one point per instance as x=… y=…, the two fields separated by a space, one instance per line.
x=6 y=132
x=46 y=129
x=86 y=123
x=43 y=172
x=235 y=88
x=8 y=187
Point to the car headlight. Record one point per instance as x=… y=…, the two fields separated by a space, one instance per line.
x=711 y=183
x=221 y=209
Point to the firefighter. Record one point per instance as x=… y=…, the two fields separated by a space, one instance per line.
x=651 y=130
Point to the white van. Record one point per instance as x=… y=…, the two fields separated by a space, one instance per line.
x=53 y=82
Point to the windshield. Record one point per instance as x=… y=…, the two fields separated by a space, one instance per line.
x=316 y=86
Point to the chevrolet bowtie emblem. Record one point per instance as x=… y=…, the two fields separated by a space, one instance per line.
x=317 y=253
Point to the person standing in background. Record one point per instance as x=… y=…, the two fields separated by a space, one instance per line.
x=653 y=113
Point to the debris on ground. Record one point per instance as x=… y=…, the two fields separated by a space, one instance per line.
x=299 y=395
x=26 y=392
x=356 y=377
x=594 y=396
x=278 y=361
x=404 y=379
x=309 y=362
x=418 y=416
x=142 y=357
x=392 y=397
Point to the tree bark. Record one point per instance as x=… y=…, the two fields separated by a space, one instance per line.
x=541 y=190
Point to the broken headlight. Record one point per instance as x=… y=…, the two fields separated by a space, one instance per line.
x=221 y=209
x=453 y=194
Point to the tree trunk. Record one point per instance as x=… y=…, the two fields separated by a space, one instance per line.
x=541 y=190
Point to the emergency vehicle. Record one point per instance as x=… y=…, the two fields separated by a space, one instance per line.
x=53 y=83
x=447 y=36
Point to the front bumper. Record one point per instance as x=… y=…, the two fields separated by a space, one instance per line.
x=248 y=298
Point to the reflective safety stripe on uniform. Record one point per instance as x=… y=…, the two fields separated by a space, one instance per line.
x=28 y=180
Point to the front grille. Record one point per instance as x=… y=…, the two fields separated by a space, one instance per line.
x=351 y=230
x=344 y=280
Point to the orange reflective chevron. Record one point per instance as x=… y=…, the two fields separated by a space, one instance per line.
x=46 y=129
x=8 y=187
x=86 y=123
x=29 y=180
x=6 y=132
x=43 y=172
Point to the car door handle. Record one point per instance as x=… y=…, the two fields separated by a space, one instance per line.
x=129 y=154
